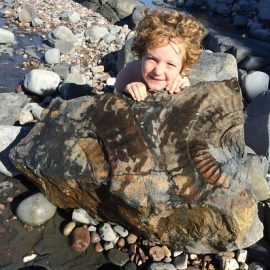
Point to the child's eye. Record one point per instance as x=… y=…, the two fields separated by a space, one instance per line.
x=150 y=58
x=171 y=65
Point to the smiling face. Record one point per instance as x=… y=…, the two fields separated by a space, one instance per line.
x=161 y=66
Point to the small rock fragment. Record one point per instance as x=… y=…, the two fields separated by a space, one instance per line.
x=131 y=238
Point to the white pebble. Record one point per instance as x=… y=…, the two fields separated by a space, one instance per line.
x=92 y=228
x=121 y=231
x=69 y=228
x=107 y=233
x=228 y=264
x=108 y=245
x=80 y=215
x=111 y=81
x=241 y=256
x=29 y=258
x=35 y=210
x=177 y=253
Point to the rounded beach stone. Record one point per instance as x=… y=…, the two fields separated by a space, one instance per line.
x=254 y=83
x=166 y=251
x=69 y=228
x=118 y=257
x=130 y=266
x=156 y=253
x=35 y=210
x=228 y=263
x=121 y=242
x=107 y=233
x=6 y=37
x=131 y=238
x=161 y=266
x=80 y=215
x=94 y=237
x=52 y=56
x=80 y=239
x=98 y=247
x=41 y=82
x=241 y=255
x=96 y=33
x=120 y=230
x=180 y=262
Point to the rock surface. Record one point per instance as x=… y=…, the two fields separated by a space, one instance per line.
x=169 y=187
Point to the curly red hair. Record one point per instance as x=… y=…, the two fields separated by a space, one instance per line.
x=159 y=28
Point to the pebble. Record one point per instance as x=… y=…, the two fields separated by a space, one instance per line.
x=69 y=228
x=96 y=33
x=241 y=255
x=117 y=257
x=228 y=264
x=108 y=245
x=41 y=82
x=121 y=231
x=255 y=83
x=121 y=242
x=156 y=253
x=80 y=215
x=177 y=253
x=107 y=233
x=256 y=266
x=98 y=247
x=180 y=262
x=36 y=22
x=130 y=266
x=35 y=210
x=94 y=237
x=80 y=239
x=92 y=228
x=161 y=266
x=29 y=258
x=52 y=56
x=110 y=81
x=27 y=13
x=6 y=37
x=131 y=238
x=166 y=251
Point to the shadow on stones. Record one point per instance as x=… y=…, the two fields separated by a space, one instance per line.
x=33 y=268
x=109 y=266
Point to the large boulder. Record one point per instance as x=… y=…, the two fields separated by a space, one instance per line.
x=172 y=168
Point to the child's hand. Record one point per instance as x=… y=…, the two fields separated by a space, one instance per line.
x=178 y=84
x=137 y=90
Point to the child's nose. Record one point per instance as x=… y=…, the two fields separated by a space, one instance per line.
x=159 y=69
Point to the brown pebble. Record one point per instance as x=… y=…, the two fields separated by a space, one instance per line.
x=133 y=248
x=131 y=238
x=98 y=247
x=95 y=238
x=2 y=229
x=9 y=199
x=121 y=242
x=166 y=251
x=2 y=206
x=211 y=266
x=156 y=253
x=142 y=255
x=80 y=239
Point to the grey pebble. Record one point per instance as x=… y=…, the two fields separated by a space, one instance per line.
x=118 y=257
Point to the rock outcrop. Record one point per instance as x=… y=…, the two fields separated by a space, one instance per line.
x=172 y=168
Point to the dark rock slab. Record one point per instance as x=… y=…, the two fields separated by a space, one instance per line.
x=172 y=168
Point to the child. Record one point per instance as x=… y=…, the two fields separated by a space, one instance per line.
x=166 y=44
